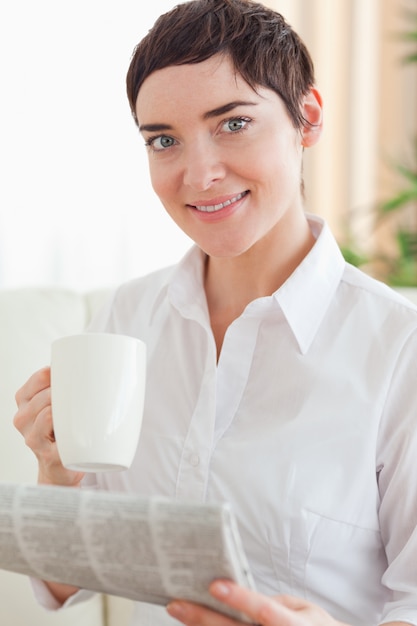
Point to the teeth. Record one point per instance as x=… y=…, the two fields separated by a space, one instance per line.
x=211 y=208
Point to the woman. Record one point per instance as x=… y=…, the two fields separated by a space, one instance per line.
x=280 y=379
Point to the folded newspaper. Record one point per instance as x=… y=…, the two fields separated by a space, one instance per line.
x=147 y=549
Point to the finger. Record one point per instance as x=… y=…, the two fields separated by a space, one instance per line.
x=29 y=411
x=41 y=440
x=37 y=382
x=34 y=421
x=196 y=615
x=293 y=603
x=40 y=433
x=259 y=608
x=312 y=613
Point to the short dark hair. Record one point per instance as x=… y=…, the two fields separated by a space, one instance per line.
x=263 y=47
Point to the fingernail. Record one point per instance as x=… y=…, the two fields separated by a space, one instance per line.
x=176 y=609
x=220 y=589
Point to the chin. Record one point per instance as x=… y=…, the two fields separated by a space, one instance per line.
x=223 y=251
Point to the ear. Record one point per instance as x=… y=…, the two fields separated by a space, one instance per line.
x=313 y=113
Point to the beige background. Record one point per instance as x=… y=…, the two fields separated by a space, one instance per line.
x=76 y=204
x=370 y=100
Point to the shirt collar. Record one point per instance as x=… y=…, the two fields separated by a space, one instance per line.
x=306 y=295
x=186 y=289
x=303 y=298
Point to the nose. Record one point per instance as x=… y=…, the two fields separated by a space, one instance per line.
x=202 y=165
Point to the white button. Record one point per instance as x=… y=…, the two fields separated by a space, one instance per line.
x=194 y=460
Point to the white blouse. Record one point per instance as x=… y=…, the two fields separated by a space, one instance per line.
x=307 y=425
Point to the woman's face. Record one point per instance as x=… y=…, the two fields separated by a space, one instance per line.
x=224 y=160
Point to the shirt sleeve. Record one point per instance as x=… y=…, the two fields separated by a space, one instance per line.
x=397 y=481
x=48 y=600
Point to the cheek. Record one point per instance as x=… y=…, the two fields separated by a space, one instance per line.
x=161 y=180
x=272 y=155
x=165 y=187
x=267 y=168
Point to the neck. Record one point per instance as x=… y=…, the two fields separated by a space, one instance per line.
x=232 y=283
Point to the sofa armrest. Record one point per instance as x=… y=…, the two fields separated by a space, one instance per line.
x=30 y=319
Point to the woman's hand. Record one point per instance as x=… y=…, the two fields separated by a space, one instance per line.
x=260 y=609
x=34 y=421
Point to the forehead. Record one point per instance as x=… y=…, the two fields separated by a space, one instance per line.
x=200 y=86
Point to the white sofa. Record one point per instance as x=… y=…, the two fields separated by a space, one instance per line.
x=29 y=320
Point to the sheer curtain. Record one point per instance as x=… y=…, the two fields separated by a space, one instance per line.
x=370 y=105
x=76 y=205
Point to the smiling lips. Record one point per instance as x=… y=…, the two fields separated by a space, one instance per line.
x=212 y=208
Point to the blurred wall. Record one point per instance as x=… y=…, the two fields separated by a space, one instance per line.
x=76 y=205
x=370 y=105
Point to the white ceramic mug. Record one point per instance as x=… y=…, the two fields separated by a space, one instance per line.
x=97 y=395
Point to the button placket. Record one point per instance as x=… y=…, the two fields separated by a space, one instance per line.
x=233 y=369
x=194 y=464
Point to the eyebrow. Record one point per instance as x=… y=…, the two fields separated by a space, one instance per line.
x=154 y=128
x=221 y=110
x=226 y=108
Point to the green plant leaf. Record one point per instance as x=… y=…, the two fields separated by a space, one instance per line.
x=410 y=58
x=399 y=200
x=407 y=244
x=352 y=256
x=404 y=274
x=400 y=270
x=410 y=36
x=410 y=175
